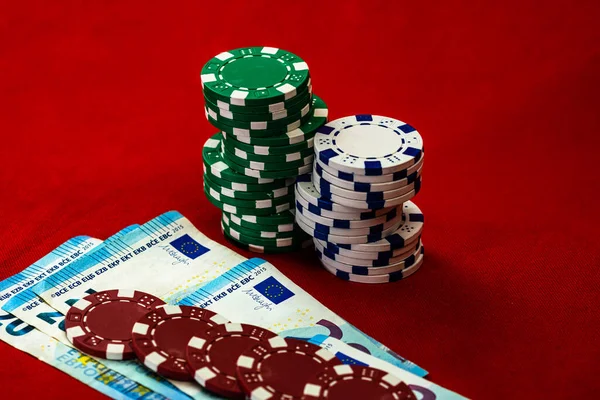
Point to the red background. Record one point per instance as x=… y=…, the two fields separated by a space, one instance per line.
x=102 y=126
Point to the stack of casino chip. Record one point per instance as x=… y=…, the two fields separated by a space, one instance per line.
x=356 y=202
x=261 y=101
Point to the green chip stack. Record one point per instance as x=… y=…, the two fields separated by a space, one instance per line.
x=261 y=100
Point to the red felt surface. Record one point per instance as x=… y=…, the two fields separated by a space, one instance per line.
x=102 y=126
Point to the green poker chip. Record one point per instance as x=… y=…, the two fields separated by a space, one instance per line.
x=267 y=165
x=272 y=243
x=266 y=109
x=269 y=150
x=306 y=131
x=245 y=210
x=248 y=187
x=269 y=174
x=254 y=76
x=257 y=233
x=232 y=147
x=282 y=218
x=213 y=161
x=242 y=195
x=226 y=118
x=269 y=204
x=259 y=129
x=241 y=220
x=265 y=249
x=260 y=116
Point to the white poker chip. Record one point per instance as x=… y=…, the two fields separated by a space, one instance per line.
x=365 y=204
x=381 y=261
x=369 y=230
x=371 y=179
x=408 y=232
x=374 y=258
x=356 y=215
x=345 y=223
x=304 y=224
x=395 y=266
x=368 y=144
x=366 y=187
x=383 y=278
x=327 y=188
x=308 y=191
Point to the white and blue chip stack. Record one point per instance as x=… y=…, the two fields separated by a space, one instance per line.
x=356 y=203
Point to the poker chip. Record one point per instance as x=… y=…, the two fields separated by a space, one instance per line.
x=245 y=195
x=342 y=239
x=408 y=232
x=368 y=144
x=284 y=150
x=308 y=192
x=260 y=113
x=342 y=382
x=326 y=194
x=325 y=188
x=307 y=242
x=261 y=109
x=275 y=174
x=269 y=203
x=369 y=230
x=279 y=368
x=285 y=217
x=383 y=278
x=212 y=357
x=355 y=215
x=352 y=268
x=160 y=337
x=367 y=187
x=234 y=149
x=303 y=133
x=249 y=187
x=293 y=241
x=277 y=120
x=213 y=162
x=257 y=232
x=244 y=210
x=256 y=128
x=254 y=76
x=100 y=324
x=348 y=224
x=359 y=178
x=369 y=258
x=245 y=223
x=267 y=165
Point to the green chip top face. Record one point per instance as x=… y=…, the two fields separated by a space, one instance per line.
x=255 y=75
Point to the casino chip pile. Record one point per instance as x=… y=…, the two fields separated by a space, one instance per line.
x=356 y=203
x=261 y=100
x=232 y=360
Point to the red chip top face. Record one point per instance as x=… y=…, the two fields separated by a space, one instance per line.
x=279 y=368
x=100 y=324
x=212 y=358
x=160 y=337
x=343 y=382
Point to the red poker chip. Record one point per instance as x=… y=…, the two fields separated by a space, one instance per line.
x=161 y=336
x=100 y=324
x=343 y=382
x=212 y=358
x=279 y=368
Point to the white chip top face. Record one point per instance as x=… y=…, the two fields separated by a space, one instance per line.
x=368 y=145
x=368 y=141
